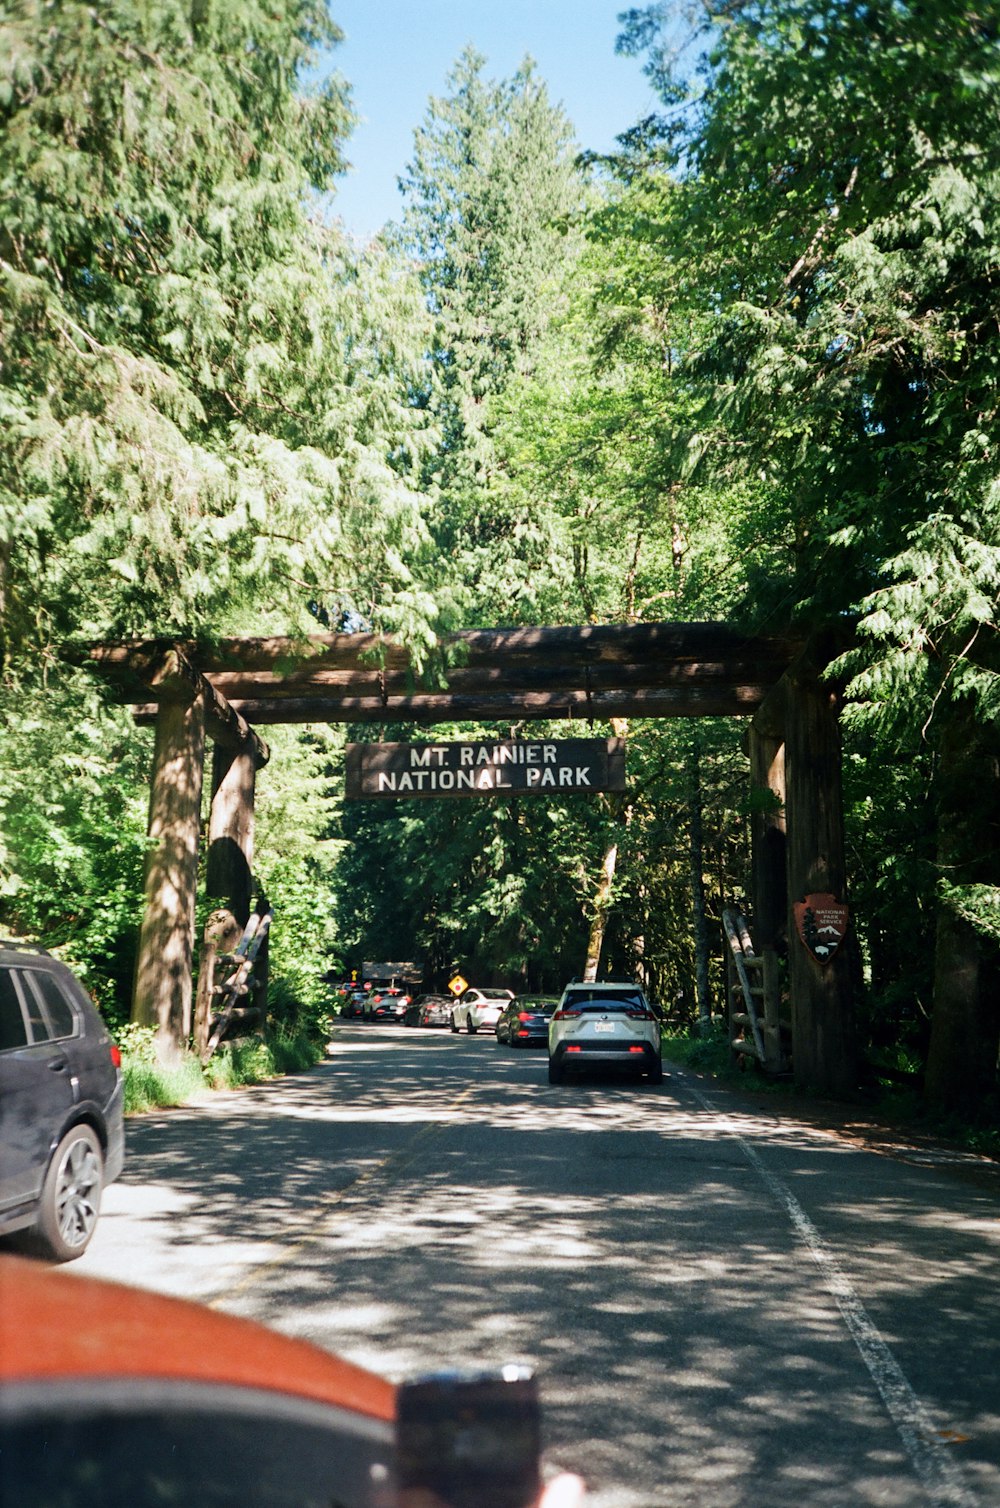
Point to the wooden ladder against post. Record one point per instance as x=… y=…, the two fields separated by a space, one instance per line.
x=239 y=983
x=746 y=990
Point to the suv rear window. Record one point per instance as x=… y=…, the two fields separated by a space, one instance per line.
x=617 y=1004
x=594 y=999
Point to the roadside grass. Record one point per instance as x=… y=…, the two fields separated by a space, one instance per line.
x=884 y=1100
x=705 y=1054
x=150 y=1085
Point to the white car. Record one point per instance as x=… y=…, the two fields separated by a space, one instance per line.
x=476 y=1008
x=605 y=1024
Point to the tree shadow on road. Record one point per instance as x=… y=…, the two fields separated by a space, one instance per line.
x=414 y=1212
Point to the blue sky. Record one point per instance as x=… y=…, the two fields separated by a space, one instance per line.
x=397 y=53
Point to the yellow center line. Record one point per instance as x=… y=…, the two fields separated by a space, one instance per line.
x=310 y=1230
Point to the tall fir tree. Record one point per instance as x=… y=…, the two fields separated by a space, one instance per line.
x=488 y=196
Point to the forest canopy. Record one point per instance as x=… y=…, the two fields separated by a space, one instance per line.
x=745 y=368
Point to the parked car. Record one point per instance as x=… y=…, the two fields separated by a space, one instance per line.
x=475 y=1008
x=61 y=1104
x=354 y=1005
x=525 y=1022
x=112 y=1397
x=428 y=1010
x=605 y=1024
x=387 y=1005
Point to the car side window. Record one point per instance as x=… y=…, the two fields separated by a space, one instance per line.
x=13 y=1028
x=37 y=1024
x=56 y=1008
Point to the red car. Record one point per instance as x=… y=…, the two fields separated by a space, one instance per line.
x=111 y=1397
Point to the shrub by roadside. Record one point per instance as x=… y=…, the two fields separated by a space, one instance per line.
x=150 y=1085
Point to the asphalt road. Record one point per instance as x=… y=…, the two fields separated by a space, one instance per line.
x=726 y=1307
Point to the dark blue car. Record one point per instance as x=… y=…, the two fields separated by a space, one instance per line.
x=525 y=1022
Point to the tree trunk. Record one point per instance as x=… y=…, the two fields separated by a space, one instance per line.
x=605 y=884
x=824 y=1038
x=162 y=994
x=262 y=964
x=769 y=916
x=221 y=935
x=230 y=831
x=228 y=877
x=697 y=858
x=602 y=905
x=965 y=1023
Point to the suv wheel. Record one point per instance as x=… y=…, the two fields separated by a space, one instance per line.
x=71 y=1196
x=470 y=1025
x=556 y=1073
x=454 y=1023
x=656 y=1072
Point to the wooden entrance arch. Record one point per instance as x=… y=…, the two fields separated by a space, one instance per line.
x=225 y=691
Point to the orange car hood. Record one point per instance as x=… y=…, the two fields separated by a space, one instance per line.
x=56 y=1325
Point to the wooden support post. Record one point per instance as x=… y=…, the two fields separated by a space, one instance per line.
x=775 y=1055
x=228 y=876
x=768 y=840
x=162 y=994
x=824 y=1049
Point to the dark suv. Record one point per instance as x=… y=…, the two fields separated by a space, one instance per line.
x=61 y=1125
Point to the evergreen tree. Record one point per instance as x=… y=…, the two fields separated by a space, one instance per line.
x=199 y=385
x=834 y=219
x=487 y=194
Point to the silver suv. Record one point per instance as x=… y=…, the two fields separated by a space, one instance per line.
x=609 y=1023
x=61 y=1124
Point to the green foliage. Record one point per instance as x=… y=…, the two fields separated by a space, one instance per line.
x=505 y=890
x=763 y=386
x=837 y=220
x=979 y=905
x=73 y=804
x=208 y=425
x=200 y=386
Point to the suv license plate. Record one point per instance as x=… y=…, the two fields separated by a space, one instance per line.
x=604 y=1026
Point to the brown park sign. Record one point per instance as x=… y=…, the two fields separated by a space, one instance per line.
x=511 y=767
x=821 y=921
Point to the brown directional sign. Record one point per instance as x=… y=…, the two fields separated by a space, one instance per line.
x=512 y=767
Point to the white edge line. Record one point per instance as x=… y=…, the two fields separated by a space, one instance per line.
x=938 y=1473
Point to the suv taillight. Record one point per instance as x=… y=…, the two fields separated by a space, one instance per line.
x=567 y=1013
x=116 y=1056
x=639 y=1013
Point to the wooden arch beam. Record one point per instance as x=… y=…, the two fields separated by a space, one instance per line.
x=172 y=678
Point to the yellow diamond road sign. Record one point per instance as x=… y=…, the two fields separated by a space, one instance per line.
x=458 y=984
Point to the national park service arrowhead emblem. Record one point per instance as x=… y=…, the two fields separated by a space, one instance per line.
x=821 y=921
